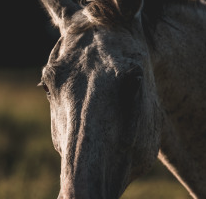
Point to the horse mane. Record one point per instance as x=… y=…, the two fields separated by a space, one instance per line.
x=153 y=10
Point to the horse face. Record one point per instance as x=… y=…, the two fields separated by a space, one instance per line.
x=102 y=110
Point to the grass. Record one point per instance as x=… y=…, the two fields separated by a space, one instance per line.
x=155 y=189
x=29 y=165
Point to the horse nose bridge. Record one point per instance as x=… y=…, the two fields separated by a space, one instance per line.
x=78 y=182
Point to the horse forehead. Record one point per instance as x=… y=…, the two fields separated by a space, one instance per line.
x=106 y=38
x=113 y=41
x=101 y=50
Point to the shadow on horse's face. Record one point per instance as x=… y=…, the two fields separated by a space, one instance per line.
x=100 y=110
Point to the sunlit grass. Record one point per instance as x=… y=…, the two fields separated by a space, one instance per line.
x=155 y=189
x=22 y=99
x=29 y=165
x=20 y=186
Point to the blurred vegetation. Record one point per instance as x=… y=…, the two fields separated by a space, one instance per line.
x=29 y=165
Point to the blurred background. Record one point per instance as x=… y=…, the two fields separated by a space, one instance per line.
x=29 y=165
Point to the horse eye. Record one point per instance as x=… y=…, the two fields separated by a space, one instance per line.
x=45 y=87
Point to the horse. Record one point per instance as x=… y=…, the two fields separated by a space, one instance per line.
x=126 y=82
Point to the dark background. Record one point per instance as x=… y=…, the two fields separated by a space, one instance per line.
x=27 y=34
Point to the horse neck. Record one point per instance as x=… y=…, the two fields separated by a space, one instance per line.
x=178 y=55
x=182 y=28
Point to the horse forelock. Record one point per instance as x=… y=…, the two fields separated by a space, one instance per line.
x=105 y=13
x=95 y=13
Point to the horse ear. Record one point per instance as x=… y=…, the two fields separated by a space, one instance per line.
x=128 y=8
x=60 y=11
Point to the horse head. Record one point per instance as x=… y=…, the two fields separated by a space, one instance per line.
x=104 y=108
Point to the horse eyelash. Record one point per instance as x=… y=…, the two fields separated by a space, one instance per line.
x=41 y=83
